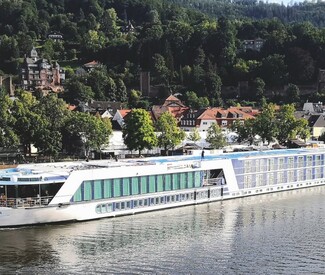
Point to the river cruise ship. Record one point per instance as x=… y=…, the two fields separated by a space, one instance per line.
x=79 y=191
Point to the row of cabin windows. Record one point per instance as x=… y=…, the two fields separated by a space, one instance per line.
x=255 y=180
x=120 y=187
x=260 y=165
x=133 y=204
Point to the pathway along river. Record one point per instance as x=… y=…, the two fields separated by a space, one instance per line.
x=281 y=233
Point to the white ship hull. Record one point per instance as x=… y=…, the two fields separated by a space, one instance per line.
x=13 y=217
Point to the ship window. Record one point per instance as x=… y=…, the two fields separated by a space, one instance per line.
x=300 y=175
x=87 y=191
x=122 y=205
x=281 y=164
x=103 y=208
x=107 y=188
x=98 y=209
x=270 y=164
x=290 y=176
x=117 y=187
x=168 y=199
x=162 y=199
x=176 y=181
x=168 y=182
x=77 y=196
x=290 y=162
x=309 y=160
x=98 y=189
x=135 y=204
x=128 y=205
x=152 y=201
x=300 y=161
x=157 y=200
x=144 y=187
x=160 y=183
x=183 y=180
x=140 y=203
x=117 y=206
x=109 y=207
x=190 y=180
x=135 y=186
x=152 y=184
x=126 y=186
x=145 y=202
x=197 y=179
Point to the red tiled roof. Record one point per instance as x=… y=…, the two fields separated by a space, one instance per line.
x=91 y=63
x=124 y=112
x=211 y=113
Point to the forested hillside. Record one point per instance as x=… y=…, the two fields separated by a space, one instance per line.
x=185 y=50
x=253 y=9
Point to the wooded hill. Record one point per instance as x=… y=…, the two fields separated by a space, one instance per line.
x=184 y=49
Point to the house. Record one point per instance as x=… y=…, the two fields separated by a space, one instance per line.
x=313 y=108
x=55 y=36
x=128 y=28
x=316 y=122
x=104 y=108
x=90 y=66
x=252 y=44
x=317 y=125
x=189 y=121
x=172 y=105
x=37 y=72
x=118 y=118
x=223 y=117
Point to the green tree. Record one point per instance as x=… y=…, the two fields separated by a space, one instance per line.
x=292 y=94
x=27 y=119
x=109 y=23
x=258 y=88
x=286 y=123
x=8 y=137
x=244 y=130
x=121 y=93
x=76 y=90
x=265 y=124
x=215 y=137
x=134 y=98
x=138 y=131
x=194 y=135
x=302 y=129
x=92 y=131
x=53 y=112
x=48 y=50
x=274 y=70
x=169 y=134
x=160 y=68
x=301 y=65
x=102 y=85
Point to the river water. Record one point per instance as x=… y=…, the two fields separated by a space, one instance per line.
x=282 y=233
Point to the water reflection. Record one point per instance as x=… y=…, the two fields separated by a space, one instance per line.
x=277 y=233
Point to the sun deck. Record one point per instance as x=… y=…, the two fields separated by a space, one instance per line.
x=63 y=169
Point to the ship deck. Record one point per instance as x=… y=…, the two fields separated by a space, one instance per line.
x=65 y=168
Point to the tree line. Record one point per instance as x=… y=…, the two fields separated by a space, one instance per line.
x=48 y=125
